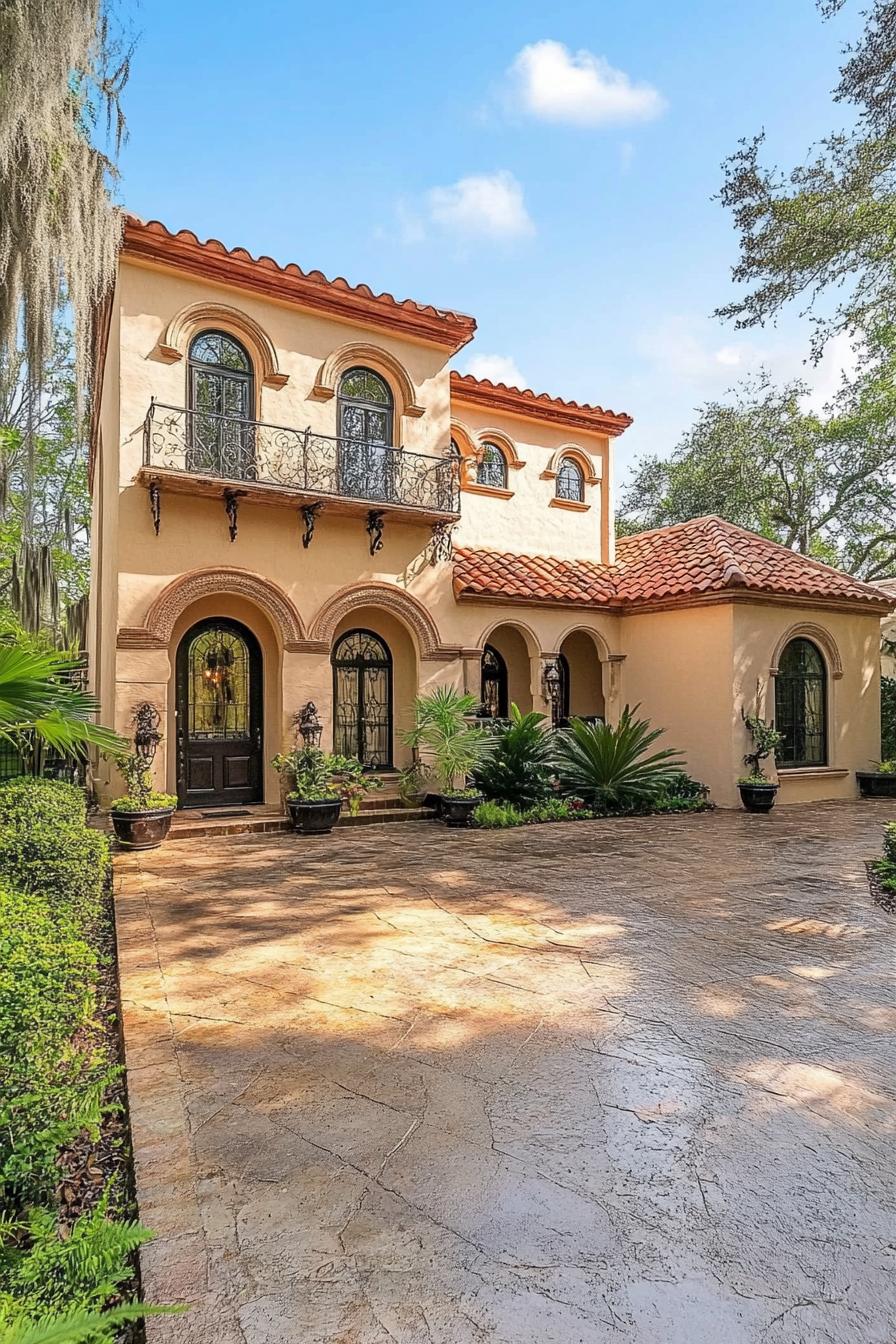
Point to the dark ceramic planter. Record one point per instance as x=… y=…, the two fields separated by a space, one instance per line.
x=758 y=797
x=457 y=812
x=314 y=818
x=874 y=784
x=142 y=830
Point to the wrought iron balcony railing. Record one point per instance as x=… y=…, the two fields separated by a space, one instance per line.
x=199 y=443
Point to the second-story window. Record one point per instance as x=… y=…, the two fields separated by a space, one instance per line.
x=365 y=436
x=492 y=468
x=571 y=481
x=220 y=435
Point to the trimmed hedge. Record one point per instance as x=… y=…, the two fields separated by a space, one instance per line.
x=56 y=1068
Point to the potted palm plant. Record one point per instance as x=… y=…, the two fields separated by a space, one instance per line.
x=141 y=817
x=757 y=791
x=455 y=748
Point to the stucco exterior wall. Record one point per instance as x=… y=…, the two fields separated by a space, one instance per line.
x=853 y=696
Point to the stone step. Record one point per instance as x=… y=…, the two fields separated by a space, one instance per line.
x=379 y=816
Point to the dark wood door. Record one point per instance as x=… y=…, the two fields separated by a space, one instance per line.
x=220 y=732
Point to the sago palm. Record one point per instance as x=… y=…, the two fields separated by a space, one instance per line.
x=37 y=696
x=518 y=771
x=612 y=767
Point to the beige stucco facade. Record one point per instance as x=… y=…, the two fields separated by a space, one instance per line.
x=692 y=668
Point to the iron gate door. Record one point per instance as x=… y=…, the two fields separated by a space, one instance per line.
x=362 y=699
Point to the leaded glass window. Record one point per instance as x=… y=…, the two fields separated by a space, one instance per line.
x=571 y=481
x=365 y=434
x=492 y=468
x=218 y=685
x=801 y=705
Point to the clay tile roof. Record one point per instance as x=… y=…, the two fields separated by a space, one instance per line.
x=536 y=406
x=530 y=578
x=709 y=555
x=680 y=563
x=151 y=241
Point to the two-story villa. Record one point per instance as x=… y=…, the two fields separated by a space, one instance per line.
x=295 y=499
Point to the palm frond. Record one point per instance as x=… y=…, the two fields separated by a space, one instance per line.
x=611 y=767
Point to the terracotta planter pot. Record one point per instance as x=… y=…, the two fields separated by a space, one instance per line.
x=457 y=812
x=316 y=818
x=758 y=797
x=876 y=784
x=142 y=830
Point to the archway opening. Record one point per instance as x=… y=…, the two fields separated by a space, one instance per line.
x=582 y=693
x=506 y=647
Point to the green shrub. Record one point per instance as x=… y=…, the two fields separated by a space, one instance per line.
x=46 y=848
x=890 y=842
x=888 y=717
x=493 y=816
x=55 y=1070
x=518 y=771
x=559 y=809
x=610 y=768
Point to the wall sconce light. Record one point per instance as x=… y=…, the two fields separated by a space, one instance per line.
x=146 y=721
x=551 y=679
x=309 y=725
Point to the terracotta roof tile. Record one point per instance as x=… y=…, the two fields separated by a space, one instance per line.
x=701 y=556
x=537 y=406
x=184 y=250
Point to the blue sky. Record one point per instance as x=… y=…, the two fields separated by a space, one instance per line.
x=548 y=169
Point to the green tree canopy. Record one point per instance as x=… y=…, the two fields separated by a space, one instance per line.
x=824 y=485
x=828 y=223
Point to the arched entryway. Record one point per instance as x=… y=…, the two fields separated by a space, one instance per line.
x=220 y=725
x=362 y=698
x=506 y=677
x=581 y=693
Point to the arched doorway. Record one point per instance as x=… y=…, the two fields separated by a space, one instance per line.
x=365 y=412
x=362 y=698
x=220 y=727
x=581 y=679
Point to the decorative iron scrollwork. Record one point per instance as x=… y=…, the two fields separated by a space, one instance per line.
x=155 y=505
x=309 y=515
x=228 y=448
x=375 y=526
x=440 y=547
x=231 y=508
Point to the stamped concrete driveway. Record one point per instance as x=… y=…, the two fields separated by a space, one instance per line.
x=622 y=1081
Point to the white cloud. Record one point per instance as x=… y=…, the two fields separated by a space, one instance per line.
x=552 y=83
x=841 y=358
x=498 y=368
x=489 y=206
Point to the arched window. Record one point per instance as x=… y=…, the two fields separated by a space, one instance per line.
x=801 y=705
x=365 y=435
x=454 y=450
x=220 y=436
x=492 y=468
x=494 y=684
x=571 y=481
x=560 y=707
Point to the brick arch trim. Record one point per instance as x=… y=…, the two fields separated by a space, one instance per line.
x=182 y=592
x=394 y=600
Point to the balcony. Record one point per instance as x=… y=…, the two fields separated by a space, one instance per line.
x=196 y=452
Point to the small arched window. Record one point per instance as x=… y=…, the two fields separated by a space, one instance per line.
x=365 y=407
x=492 y=468
x=801 y=705
x=494 y=684
x=571 y=481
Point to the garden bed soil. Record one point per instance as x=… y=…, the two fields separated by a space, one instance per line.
x=879 y=893
x=88 y=1169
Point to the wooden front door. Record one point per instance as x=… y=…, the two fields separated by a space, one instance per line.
x=220 y=731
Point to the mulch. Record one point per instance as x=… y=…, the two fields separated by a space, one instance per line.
x=880 y=894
